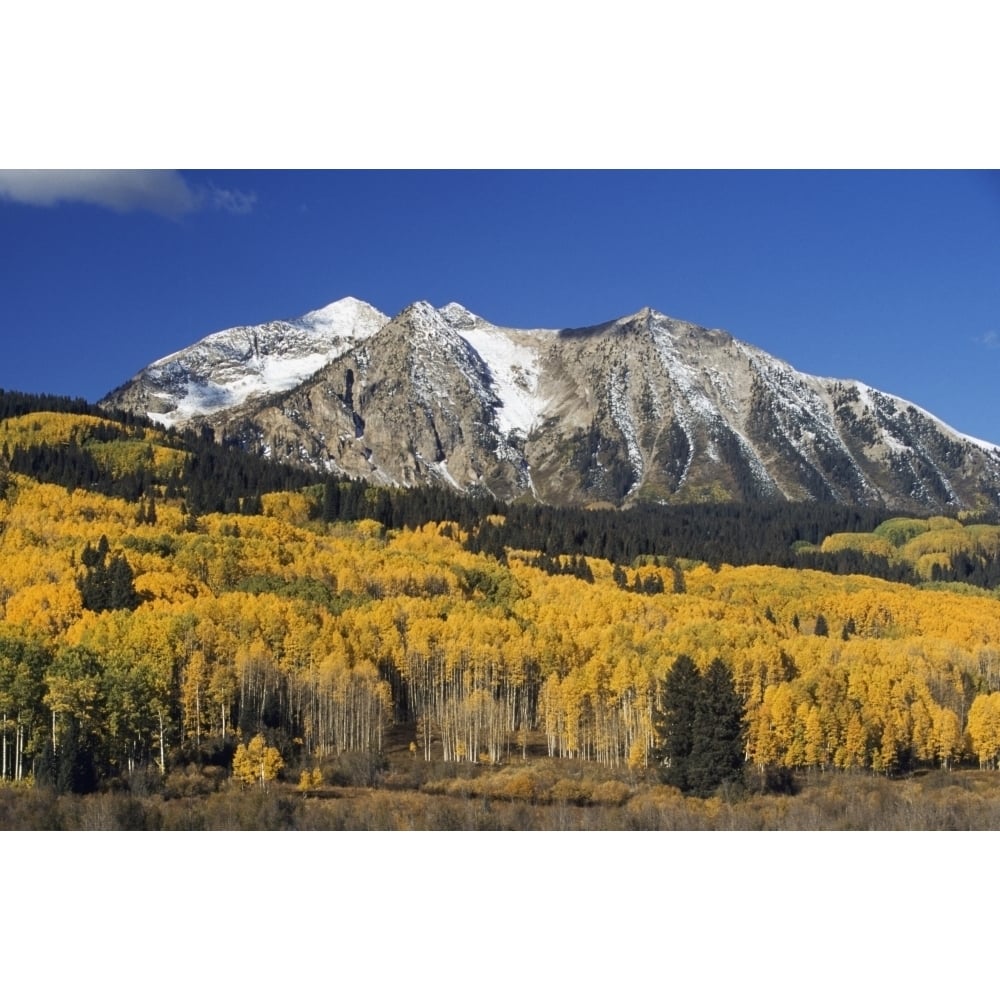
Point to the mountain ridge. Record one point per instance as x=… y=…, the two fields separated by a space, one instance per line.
x=640 y=408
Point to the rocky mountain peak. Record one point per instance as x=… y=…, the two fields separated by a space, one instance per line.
x=642 y=408
x=459 y=317
x=226 y=369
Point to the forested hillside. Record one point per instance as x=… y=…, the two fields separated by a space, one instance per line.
x=267 y=631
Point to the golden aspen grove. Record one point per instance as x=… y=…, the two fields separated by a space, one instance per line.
x=284 y=653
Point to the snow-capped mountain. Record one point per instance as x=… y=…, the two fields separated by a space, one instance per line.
x=227 y=368
x=640 y=408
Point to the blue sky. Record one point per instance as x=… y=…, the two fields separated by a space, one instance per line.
x=892 y=277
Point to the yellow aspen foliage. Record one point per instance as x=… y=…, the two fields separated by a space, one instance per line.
x=169 y=587
x=870 y=544
x=921 y=737
x=984 y=729
x=256 y=763
x=762 y=740
x=47 y=609
x=194 y=696
x=309 y=780
x=795 y=756
x=292 y=508
x=44 y=427
x=638 y=756
x=342 y=617
x=947 y=735
x=780 y=711
x=853 y=752
x=815 y=745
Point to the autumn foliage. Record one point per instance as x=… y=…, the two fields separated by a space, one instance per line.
x=249 y=639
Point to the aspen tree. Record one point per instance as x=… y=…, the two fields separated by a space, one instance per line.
x=256 y=762
x=814 y=754
x=984 y=729
x=947 y=735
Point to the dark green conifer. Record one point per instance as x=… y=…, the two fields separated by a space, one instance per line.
x=121 y=585
x=699 y=727
x=717 y=746
x=675 y=720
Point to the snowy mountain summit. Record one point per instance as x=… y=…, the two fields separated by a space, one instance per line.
x=642 y=408
x=227 y=368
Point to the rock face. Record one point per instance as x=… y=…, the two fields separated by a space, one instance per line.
x=644 y=408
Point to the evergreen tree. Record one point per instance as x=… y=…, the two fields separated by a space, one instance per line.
x=71 y=767
x=717 y=746
x=104 y=585
x=699 y=727
x=252 y=506
x=582 y=570
x=121 y=585
x=675 y=720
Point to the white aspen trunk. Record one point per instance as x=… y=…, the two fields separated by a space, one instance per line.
x=3 y=767
x=163 y=763
x=53 y=732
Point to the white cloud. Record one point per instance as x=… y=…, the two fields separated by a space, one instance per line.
x=990 y=340
x=235 y=202
x=164 y=192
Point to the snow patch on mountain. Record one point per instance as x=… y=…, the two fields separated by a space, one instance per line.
x=227 y=368
x=514 y=368
x=869 y=395
x=622 y=416
x=683 y=374
x=757 y=468
x=262 y=376
x=437 y=350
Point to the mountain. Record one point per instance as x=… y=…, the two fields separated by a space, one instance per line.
x=228 y=368
x=643 y=408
